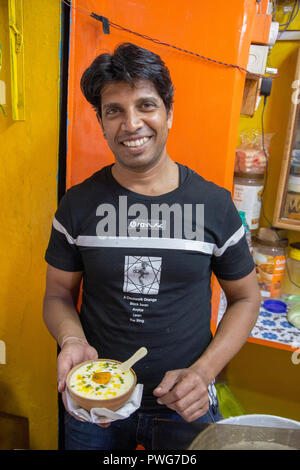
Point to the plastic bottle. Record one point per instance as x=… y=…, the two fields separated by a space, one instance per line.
x=269 y=257
x=247 y=191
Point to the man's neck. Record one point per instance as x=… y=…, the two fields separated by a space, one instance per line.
x=155 y=181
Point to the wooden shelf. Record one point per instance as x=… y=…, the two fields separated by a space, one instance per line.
x=250 y=96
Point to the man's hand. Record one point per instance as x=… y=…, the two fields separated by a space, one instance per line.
x=184 y=391
x=72 y=354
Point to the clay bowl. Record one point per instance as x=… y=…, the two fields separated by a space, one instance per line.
x=89 y=402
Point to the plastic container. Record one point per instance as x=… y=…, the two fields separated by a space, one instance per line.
x=291 y=280
x=247 y=191
x=269 y=255
x=250 y=160
x=229 y=405
x=275 y=306
x=252 y=153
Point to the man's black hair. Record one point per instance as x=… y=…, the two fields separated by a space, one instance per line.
x=128 y=63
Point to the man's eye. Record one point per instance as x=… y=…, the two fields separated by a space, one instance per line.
x=111 y=111
x=148 y=105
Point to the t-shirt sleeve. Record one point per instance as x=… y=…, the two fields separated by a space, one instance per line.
x=62 y=252
x=231 y=258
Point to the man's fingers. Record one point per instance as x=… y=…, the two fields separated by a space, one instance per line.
x=70 y=355
x=92 y=354
x=191 y=406
x=179 y=386
x=167 y=383
x=191 y=403
x=195 y=411
x=191 y=400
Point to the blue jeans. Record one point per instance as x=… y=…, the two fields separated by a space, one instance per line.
x=123 y=434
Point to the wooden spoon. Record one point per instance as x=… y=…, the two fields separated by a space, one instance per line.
x=133 y=359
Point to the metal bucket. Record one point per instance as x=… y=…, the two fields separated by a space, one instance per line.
x=250 y=432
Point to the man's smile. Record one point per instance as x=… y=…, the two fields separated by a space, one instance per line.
x=136 y=143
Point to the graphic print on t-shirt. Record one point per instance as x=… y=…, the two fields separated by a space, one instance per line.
x=141 y=285
x=142 y=275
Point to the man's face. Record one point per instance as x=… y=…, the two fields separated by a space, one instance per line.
x=135 y=123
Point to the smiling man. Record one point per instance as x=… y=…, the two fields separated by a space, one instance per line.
x=144 y=235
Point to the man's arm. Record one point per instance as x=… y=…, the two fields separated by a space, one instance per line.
x=62 y=320
x=185 y=390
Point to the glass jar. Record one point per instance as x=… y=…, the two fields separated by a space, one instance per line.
x=292 y=202
x=247 y=192
x=269 y=258
x=291 y=281
x=292 y=205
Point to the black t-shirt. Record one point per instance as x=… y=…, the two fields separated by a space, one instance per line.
x=147 y=264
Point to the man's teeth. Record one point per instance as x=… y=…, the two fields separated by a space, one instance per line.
x=136 y=143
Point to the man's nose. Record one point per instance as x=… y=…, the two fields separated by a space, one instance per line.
x=132 y=121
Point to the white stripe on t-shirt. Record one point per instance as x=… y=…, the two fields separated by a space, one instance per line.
x=150 y=242
x=233 y=240
x=60 y=228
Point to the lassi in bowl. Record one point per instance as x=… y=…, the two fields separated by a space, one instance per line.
x=101 y=383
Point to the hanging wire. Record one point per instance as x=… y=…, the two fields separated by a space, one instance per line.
x=293 y=15
x=274 y=2
x=157 y=41
x=79 y=8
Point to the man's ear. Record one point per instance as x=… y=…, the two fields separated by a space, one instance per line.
x=101 y=124
x=170 y=117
